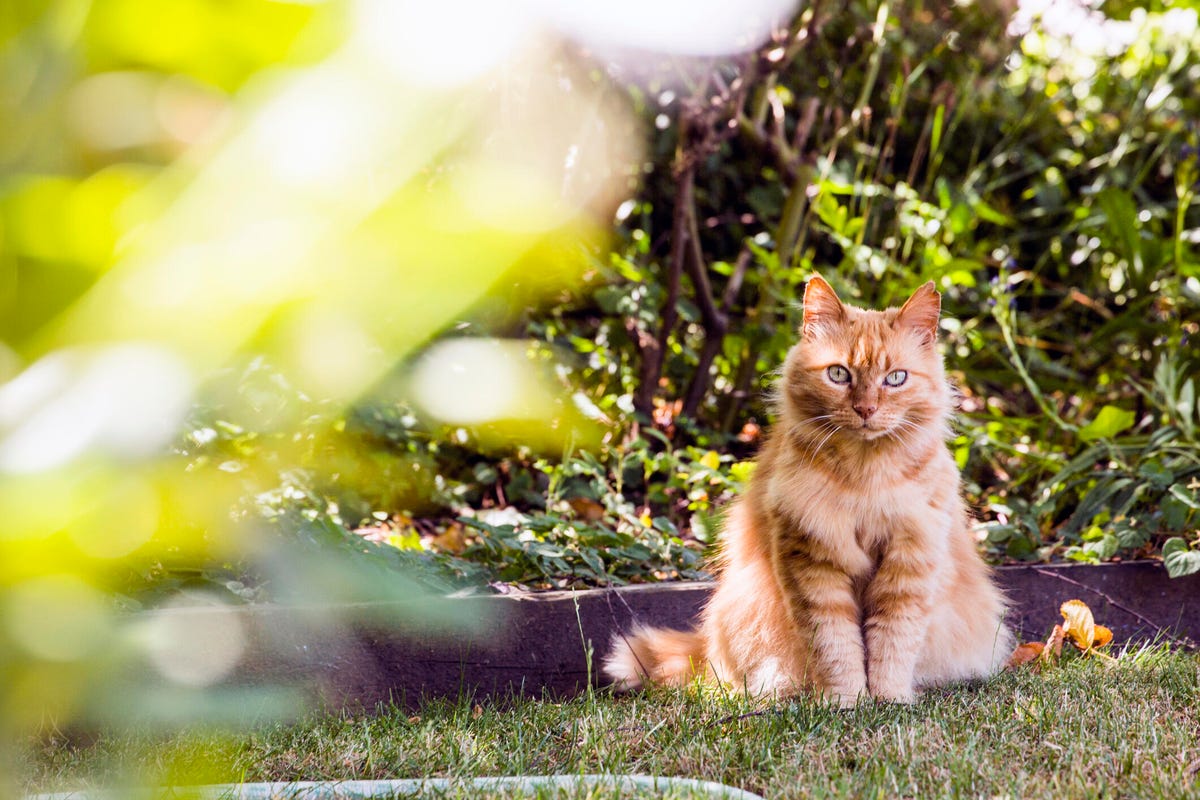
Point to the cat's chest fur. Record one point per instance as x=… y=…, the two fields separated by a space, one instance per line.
x=856 y=522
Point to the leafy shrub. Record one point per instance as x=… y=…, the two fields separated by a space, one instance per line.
x=1048 y=192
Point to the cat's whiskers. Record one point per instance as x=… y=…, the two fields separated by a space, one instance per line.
x=833 y=428
x=900 y=430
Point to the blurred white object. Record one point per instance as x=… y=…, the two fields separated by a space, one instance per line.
x=125 y=400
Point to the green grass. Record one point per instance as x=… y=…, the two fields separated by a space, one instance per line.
x=1080 y=730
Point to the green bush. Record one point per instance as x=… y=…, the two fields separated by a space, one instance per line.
x=1050 y=194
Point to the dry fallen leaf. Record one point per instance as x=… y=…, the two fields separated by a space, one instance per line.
x=1025 y=653
x=586 y=509
x=1081 y=627
x=1054 y=644
x=452 y=540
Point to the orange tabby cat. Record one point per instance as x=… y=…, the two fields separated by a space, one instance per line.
x=848 y=567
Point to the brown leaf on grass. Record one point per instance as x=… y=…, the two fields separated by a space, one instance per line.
x=1079 y=627
x=1053 y=647
x=1024 y=654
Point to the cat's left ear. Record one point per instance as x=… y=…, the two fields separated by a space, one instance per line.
x=920 y=314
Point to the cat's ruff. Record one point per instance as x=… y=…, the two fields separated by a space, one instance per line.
x=847 y=568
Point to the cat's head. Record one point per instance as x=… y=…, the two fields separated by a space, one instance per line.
x=867 y=375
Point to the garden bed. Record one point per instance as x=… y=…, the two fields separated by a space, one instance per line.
x=551 y=642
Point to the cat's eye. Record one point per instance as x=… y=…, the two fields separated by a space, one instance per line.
x=838 y=374
x=895 y=377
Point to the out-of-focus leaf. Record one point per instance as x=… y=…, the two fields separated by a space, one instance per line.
x=1107 y=424
x=1025 y=653
x=1185 y=496
x=586 y=509
x=452 y=540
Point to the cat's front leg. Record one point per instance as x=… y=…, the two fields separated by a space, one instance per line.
x=898 y=602
x=822 y=604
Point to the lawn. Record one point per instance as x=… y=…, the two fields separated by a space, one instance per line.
x=1081 y=729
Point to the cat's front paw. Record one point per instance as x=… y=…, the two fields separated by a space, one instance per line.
x=906 y=695
x=845 y=696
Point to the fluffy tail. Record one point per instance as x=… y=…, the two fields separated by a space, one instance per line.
x=655 y=655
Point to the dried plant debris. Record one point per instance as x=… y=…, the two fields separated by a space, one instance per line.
x=1079 y=628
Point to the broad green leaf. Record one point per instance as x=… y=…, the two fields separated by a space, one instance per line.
x=1186 y=406
x=1104 y=548
x=1156 y=473
x=1185 y=496
x=741 y=471
x=1179 y=559
x=665 y=525
x=1107 y=424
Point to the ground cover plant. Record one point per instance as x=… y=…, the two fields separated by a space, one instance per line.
x=1083 y=728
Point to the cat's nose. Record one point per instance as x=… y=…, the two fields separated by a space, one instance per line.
x=864 y=411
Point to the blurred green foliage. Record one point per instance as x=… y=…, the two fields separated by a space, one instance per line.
x=235 y=238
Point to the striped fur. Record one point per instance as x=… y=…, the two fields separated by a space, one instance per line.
x=847 y=568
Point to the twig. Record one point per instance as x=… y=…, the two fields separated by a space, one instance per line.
x=713 y=318
x=714 y=336
x=655 y=349
x=804 y=126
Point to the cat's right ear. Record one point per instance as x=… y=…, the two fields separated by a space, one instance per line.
x=822 y=308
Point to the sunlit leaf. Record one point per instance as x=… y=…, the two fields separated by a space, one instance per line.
x=1080 y=627
x=1185 y=496
x=1108 y=423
